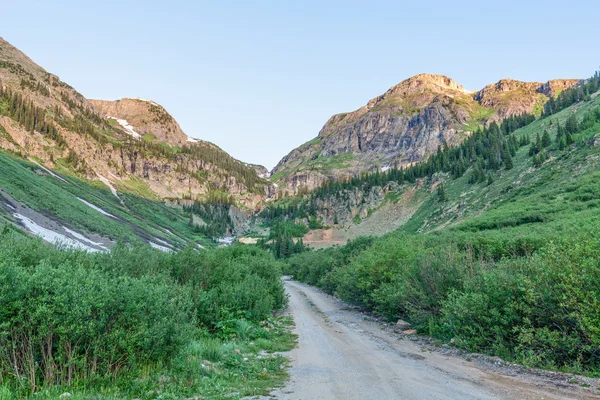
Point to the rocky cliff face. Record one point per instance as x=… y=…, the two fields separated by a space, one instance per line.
x=405 y=125
x=130 y=144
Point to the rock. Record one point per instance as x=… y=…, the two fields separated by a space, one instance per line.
x=410 y=332
x=237 y=351
x=402 y=325
x=403 y=126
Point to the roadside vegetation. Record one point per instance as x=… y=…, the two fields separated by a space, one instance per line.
x=138 y=323
x=510 y=264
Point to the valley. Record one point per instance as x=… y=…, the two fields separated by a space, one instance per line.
x=139 y=262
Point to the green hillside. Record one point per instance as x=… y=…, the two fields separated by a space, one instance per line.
x=128 y=217
x=506 y=265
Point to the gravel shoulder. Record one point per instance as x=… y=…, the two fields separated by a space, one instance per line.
x=345 y=354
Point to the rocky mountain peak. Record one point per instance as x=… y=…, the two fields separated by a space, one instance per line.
x=505 y=86
x=436 y=83
x=143 y=118
x=406 y=124
x=555 y=86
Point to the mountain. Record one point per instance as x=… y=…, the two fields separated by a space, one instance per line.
x=526 y=170
x=143 y=119
x=130 y=145
x=406 y=124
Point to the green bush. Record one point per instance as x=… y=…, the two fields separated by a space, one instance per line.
x=524 y=298
x=68 y=316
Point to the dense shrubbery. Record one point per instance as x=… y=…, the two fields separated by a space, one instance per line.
x=534 y=301
x=68 y=316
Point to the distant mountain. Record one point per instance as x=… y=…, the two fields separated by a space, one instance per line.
x=406 y=124
x=133 y=145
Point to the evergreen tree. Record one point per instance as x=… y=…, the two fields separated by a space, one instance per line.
x=507 y=160
x=442 y=193
x=571 y=125
x=538 y=143
x=546 y=139
x=569 y=138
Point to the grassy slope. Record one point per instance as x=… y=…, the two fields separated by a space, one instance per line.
x=138 y=218
x=553 y=193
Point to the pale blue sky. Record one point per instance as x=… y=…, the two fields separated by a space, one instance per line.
x=258 y=78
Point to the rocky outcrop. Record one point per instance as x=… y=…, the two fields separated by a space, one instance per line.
x=261 y=171
x=555 y=86
x=404 y=125
x=149 y=119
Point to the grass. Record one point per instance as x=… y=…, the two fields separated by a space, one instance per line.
x=138 y=218
x=524 y=191
x=479 y=115
x=210 y=367
x=148 y=137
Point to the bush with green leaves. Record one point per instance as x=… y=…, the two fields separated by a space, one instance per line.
x=68 y=316
x=533 y=301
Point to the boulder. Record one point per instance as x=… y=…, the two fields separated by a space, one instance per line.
x=403 y=325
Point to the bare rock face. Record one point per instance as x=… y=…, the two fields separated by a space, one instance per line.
x=147 y=118
x=510 y=97
x=405 y=125
x=555 y=86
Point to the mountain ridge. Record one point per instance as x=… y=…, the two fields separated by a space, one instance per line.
x=133 y=144
x=404 y=125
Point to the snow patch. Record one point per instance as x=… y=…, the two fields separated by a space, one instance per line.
x=109 y=184
x=159 y=247
x=192 y=140
x=101 y=211
x=265 y=175
x=169 y=232
x=127 y=126
x=383 y=169
x=51 y=236
x=162 y=242
x=226 y=241
x=48 y=171
x=80 y=237
x=10 y=206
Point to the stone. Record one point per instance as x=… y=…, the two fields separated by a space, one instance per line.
x=410 y=332
x=402 y=325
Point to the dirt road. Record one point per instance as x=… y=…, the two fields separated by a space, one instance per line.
x=342 y=354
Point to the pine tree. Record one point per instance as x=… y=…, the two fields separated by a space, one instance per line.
x=546 y=139
x=571 y=125
x=538 y=143
x=507 y=160
x=569 y=137
x=442 y=193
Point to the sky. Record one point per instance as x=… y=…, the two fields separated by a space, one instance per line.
x=258 y=78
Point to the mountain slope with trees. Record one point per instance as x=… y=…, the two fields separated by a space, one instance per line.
x=405 y=125
x=502 y=263
x=45 y=118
